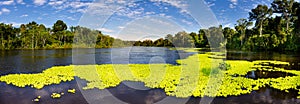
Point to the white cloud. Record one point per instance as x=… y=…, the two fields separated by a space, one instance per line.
x=6 y=2
x=181 y=4
x=234 y=2
x=186 y=22
x=130 y=13
x=78 y=4
x=24 y=15
x=14 y=24
x=121 y=27
x=20 y=2
x=4 y=10
x=74 y=6
x=228 y=25
x=55 y=3
x=105 y=30
x=209 y=3
x=71 y=18
x=39 y=2
x=231 y=6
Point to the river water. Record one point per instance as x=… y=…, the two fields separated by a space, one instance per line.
x=35 y=61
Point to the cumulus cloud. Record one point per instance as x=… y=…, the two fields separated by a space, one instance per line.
x=181 y=4
x=39 y=2
x=24 y=15
x=234 y=2
x=105 y=30
x=6 y=2
x=20 y=2
x=5 y=10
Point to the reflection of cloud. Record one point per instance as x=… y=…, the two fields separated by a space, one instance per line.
x=155 y=96
x=41 y=92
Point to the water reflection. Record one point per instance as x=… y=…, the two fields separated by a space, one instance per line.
x=34 y=61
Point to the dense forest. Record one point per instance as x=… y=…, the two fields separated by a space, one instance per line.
x=274 y=28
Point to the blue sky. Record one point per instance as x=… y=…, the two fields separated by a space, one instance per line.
x=128 y=19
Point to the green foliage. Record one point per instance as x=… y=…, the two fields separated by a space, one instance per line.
x=54 y=75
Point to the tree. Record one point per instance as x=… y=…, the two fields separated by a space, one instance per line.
x=159 y=42
x=32 y=31
x=260 y=14
x=241 y=26
x=59 y=28
x=284 y=7
x=229 y=37
x=296 y=14
x=44 y=35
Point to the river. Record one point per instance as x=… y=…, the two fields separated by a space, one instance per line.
x=35 y=61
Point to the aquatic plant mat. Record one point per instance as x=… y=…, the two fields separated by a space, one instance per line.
x=198 y=75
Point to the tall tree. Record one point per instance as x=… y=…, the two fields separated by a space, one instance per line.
x=32 y=31
x=59 y=28
x=284 y=7
x=260 y=14
x=241 y=27
x=296 y=14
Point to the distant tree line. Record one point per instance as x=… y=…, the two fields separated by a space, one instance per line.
x=275 y=28
x=37 y=36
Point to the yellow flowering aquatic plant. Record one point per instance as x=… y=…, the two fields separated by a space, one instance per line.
x=54 y=75
x=195 y=76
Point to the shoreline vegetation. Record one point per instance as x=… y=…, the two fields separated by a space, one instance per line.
x=267 y=28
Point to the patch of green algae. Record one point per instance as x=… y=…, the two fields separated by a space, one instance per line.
x=190 y=78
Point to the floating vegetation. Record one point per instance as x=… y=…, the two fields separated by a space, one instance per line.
x=195 y=76
x=55 y=95
x=71 y=91
x=37 y=99
x=54 y=75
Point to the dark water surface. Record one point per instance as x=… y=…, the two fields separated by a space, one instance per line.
x=34 y=61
